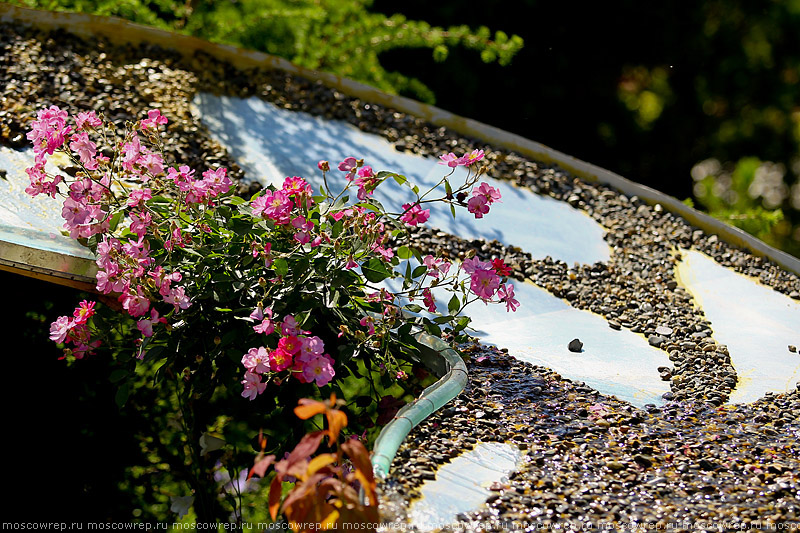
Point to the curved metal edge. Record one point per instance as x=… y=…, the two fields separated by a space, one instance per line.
x=450 y=385
x=122 y=31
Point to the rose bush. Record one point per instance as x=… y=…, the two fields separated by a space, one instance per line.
x=274 y=298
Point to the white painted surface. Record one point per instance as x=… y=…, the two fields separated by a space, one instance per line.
x=18 y=208
x=615 y=362
x=754 y=321
x=619 y=363
x=271 y=143
x=462 y=485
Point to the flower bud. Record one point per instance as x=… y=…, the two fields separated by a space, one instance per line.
x=262 y=282
x=323 y=166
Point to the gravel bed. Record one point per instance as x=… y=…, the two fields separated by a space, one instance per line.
x=636 y=289
x=592 y=459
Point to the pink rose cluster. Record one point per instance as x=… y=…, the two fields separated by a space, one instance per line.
x=486 y=281
x=75 y=330
x=361 y=175
x=285 y=207
x=297 y=352
x=483 y=196
x=125 y=265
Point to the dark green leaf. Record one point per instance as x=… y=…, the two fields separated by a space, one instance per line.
x=118 y=375
x=122 y=395
x=375 y=271
x=453 y=304
x=115 y=220
x=154 y=353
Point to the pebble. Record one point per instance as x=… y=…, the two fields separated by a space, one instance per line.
x=575 y=345
x=792 y=348
x=655 y=340
x=664 y=331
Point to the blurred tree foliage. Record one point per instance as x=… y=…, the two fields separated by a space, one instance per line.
x=648 y=91
x=338 y=36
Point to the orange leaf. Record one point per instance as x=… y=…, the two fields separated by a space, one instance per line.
x=275 y=490
x=309 y=408
x=330 y=521
x=336 y=421
x=320 y=461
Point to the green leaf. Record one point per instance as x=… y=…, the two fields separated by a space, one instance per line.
x=280 y=266
x=122 y=395
x=404 y=252
x=154 y=353
x=115 y=220
x=433 y=329
x=453 y=210
x=462 y=323
x=414 y=308
x=420 y=270
x=375 y=271
x=453 y=304
x=118 y=375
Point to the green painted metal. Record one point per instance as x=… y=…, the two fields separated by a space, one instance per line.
x=443 y=361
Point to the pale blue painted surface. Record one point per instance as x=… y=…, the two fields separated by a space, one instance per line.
x=28 y=221
x=615 y=362
x=271 y=143
x=18 y=208
x=462 y=485
x=755 y=322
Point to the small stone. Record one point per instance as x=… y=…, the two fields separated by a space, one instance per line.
x=663 y=331
x=705 y=464
x=615 y=466
x=793 y=348
x=655 y=340
x=575 y=345
x=614 y=325
x=645 y=461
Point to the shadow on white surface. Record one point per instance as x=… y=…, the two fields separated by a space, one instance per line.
x=271 y=143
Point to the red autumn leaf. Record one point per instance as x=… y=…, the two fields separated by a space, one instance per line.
x=305 y=448
x=359 y=456
x=260 y=466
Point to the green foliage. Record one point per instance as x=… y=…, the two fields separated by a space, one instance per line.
x=338 y=36
x=742 y=194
